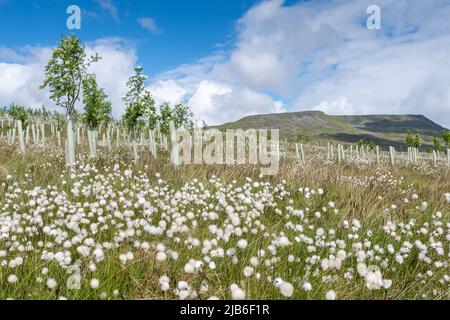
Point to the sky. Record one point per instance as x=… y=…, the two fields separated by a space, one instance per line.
x=235 y=58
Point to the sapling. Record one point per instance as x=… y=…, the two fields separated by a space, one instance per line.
x=97 y=109
x=64 y=75
x=139 y=105
x=446 y=138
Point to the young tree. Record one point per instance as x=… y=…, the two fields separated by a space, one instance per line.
x=165 y=117
x=446 y=137
x=60 y=120
x=302 y=137
x=18 y=112
x=437 y=143
x=182 y=116
x=139 y=106
x=97 y=109
x=409 y=139
x=150 y=115
x=64 y=76
x=417 y=141
x=361 y=142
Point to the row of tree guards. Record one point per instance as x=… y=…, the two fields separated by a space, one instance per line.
x=114 y=134
x=109 y=135
x=413 y=155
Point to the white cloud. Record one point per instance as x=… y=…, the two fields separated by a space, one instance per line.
x=110 y=7
x=167 y=91
x=114 y=69
x=321 y=55
x=21 y=78
x=148 y=24
x=217 y=103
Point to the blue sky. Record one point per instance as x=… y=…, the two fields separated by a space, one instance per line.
x=237 y=58
x=185 y=30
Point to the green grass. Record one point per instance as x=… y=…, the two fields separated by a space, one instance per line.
x=138 y=279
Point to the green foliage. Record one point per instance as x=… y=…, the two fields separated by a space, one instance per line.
x=409 y=139
x=18 y=112
x=182 y=116
x=437 y=143
x=60 y=120
x=372 y=145
x=417 y=142
x=97 y=107
x=361 y=142
x=65 y=72
x=302 y=137
x=165 y=117
x=140 y=105
x=446 y=137
x=150 y=110
x=413 y=140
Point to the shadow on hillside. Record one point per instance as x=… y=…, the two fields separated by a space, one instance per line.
x=401 y=127
x=354 y=138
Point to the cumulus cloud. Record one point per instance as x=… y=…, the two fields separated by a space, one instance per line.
x=22 y=76
x=167 y=91
x=320 y=55
x=217 y=103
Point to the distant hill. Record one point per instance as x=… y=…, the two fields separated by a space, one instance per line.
x=384 y=130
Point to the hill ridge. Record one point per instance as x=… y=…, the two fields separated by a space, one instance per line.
x=382 y=129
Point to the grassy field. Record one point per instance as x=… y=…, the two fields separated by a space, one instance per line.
x=148 y=230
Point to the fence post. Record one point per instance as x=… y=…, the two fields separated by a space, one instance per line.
x=302 y=153
x=21 y=141
x=391 y=155
x=378 y=154
x=175 y=153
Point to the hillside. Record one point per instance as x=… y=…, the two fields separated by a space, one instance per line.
x=384 y=130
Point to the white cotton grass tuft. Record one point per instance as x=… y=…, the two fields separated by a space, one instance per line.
x=330 y=295
x=423 y=206
x=94 y=283
x=277 y=282
x=286 y=289
x=164 y=283
x=248 y=271
x=161 y=256
x=12 y=278
x=51 y=283
x=236 y=292
x=306 y=286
